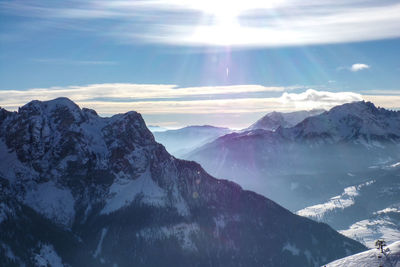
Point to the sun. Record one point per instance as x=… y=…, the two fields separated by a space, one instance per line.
x=225 y=28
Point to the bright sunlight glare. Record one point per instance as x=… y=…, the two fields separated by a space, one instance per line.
x=225 y=13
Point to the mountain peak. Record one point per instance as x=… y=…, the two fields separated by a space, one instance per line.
x=358 y=107
x=60 y=109
x=361 y=121
x=274 y=120
x=51 y=104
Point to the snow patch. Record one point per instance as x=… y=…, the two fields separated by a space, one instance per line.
x=395 y=165
x=381 y=226
x=291 y=248
x=294 y=186
x=345 y=200
x=52 y=201
x=48 y=257
x=124 y=191
x=100 y=244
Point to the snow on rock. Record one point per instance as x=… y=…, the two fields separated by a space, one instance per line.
x=52 y=201
x=381 y=225
x=374 y=257
x=346 y=199
x=124 y=191
x=48 y=257
x=100 y=244
x=395 y=165
x=291 y=248
x=360 y=121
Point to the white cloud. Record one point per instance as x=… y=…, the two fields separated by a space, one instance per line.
x=126 y=92
x=163 y=103
x=359 y=66
x=169 y=99
x=319 y=99
x=222 y=22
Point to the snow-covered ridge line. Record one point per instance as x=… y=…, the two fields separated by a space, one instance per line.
x=346 y=199
x=373 y=257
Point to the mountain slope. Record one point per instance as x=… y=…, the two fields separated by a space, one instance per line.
x=181 y=141
x=373 y=257
x=81 y=190
x=364 y=212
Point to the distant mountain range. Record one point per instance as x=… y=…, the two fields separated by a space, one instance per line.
x=315 y=160
x=77 y=189
x=181 y=141
x=274 y=120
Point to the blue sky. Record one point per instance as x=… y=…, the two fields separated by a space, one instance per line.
x=181 y=62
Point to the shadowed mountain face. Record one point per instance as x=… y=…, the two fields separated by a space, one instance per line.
x=310 y=162
x=81 y=190
x=181 y=141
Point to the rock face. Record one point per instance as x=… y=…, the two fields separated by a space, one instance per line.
x=80 y=190
x=310 y=162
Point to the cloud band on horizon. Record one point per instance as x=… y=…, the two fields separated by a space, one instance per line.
x=108 y=99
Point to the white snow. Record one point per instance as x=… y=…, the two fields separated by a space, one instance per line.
x=294 y=185
x=390 y=257
x=100 y=244
x=52 y=201
x=395 y=165
x=346 y=199
x=220 y=224
x=124 y=191
x=380 y=226
x=291 y=248
x=48 y=257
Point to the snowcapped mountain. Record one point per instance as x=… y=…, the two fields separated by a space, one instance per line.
x=181 y=141
x=359 y=122
x=308 y=163
x=274 y=120
x=373 y=257
x=77 y=189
